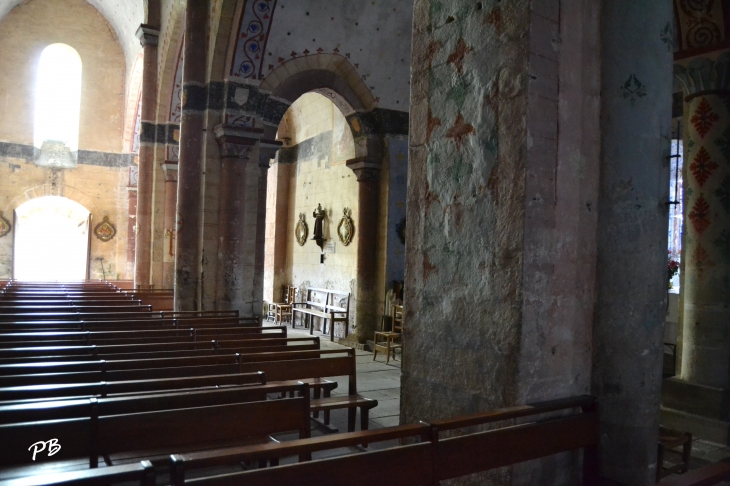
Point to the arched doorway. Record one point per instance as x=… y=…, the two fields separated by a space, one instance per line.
x=51 y=240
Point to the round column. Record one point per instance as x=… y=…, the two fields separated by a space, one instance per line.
x=706 y=246
x=237 y=146
x=367 y=172
x=189 y=216
x=148 y=36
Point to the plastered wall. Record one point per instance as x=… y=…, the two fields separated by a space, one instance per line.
x=99 y=182
x=322 y=141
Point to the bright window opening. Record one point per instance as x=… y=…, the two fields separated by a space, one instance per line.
x=51 y=240
x=57 y=106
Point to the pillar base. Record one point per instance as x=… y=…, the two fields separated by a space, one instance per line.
x=701 y=410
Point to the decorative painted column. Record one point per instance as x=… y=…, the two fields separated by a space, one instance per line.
x=148 y=36
x=703 y=386
x=168 y=255
x=237 y=145
x=189 y=216
x=267 y=151
x=631 y=271
x=367 y=171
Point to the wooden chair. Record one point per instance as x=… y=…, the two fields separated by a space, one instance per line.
x=670 y=439
x=279 y=311
x=390 y=341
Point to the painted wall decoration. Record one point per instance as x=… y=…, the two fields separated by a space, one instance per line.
x=701 y=26
x=5 y=226
x=346 y=228
x=105 y=231
x=252 y=36
x=301 y=231
x=273 y=32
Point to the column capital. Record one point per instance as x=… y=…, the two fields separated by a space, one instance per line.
x=169 y=167
x=237 y=142
x=702 y=75
x=148 y=35
x=366 y=169
x=267 y=151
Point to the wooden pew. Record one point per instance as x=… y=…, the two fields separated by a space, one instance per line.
x=426 y=462
x=50 y=353
x=103 y=389
x=327 y=310
x=181 y=463
x=61 y=338
x=248 y=346
x=115 y=405
x=149 y=434
x=317 y=368
x=141 y=473
x=703 y=476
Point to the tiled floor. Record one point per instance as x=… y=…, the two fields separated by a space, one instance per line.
x=703 y=453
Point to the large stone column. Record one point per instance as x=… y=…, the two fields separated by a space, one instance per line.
x=367 y=172
x=148 y=36
x=168 y=252
x=697 y=400
x=188 y=253
x=237 y=146
x=636 y=95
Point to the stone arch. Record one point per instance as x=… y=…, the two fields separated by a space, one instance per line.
x=50 y=189
x=131 y=108
x=170 y=50
x=333 y=76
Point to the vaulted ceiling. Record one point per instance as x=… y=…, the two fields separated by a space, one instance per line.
x=123 y=15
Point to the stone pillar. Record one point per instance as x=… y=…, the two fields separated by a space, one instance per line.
x=189 y=216
x=148 y=36
x=367 y=172
x=697 y=400
x=267 y=151
x=168 y=252
x=635 y=103
x=237 y=146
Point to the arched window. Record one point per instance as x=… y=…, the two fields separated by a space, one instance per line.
x=57 y=106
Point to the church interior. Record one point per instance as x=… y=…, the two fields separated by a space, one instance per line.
x=206 y=273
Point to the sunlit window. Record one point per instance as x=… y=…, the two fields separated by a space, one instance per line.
x=57 y=105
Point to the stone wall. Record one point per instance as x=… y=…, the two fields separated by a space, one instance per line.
x=100 y=179
x=320 y=141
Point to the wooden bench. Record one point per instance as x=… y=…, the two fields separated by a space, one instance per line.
x=61 y=338
x=149 y=435
x=41 y=353
x=141 y=473
x=181 y=463
x=103 y=389
x=329 y=310
x=116 y=405
x=703 y=476
x=299 y=369
x=243 y=346
x=428 y=462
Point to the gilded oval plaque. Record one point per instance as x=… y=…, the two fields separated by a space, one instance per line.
x=346 y=228
x=4 y=225
x=105 y=231
x=301 y=231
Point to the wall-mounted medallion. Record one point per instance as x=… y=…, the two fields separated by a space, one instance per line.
x=301 y=231
x=346 y=228
x=105 y=231
x=4 y=225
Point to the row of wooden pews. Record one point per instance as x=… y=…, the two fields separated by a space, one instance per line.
x=138 y=384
